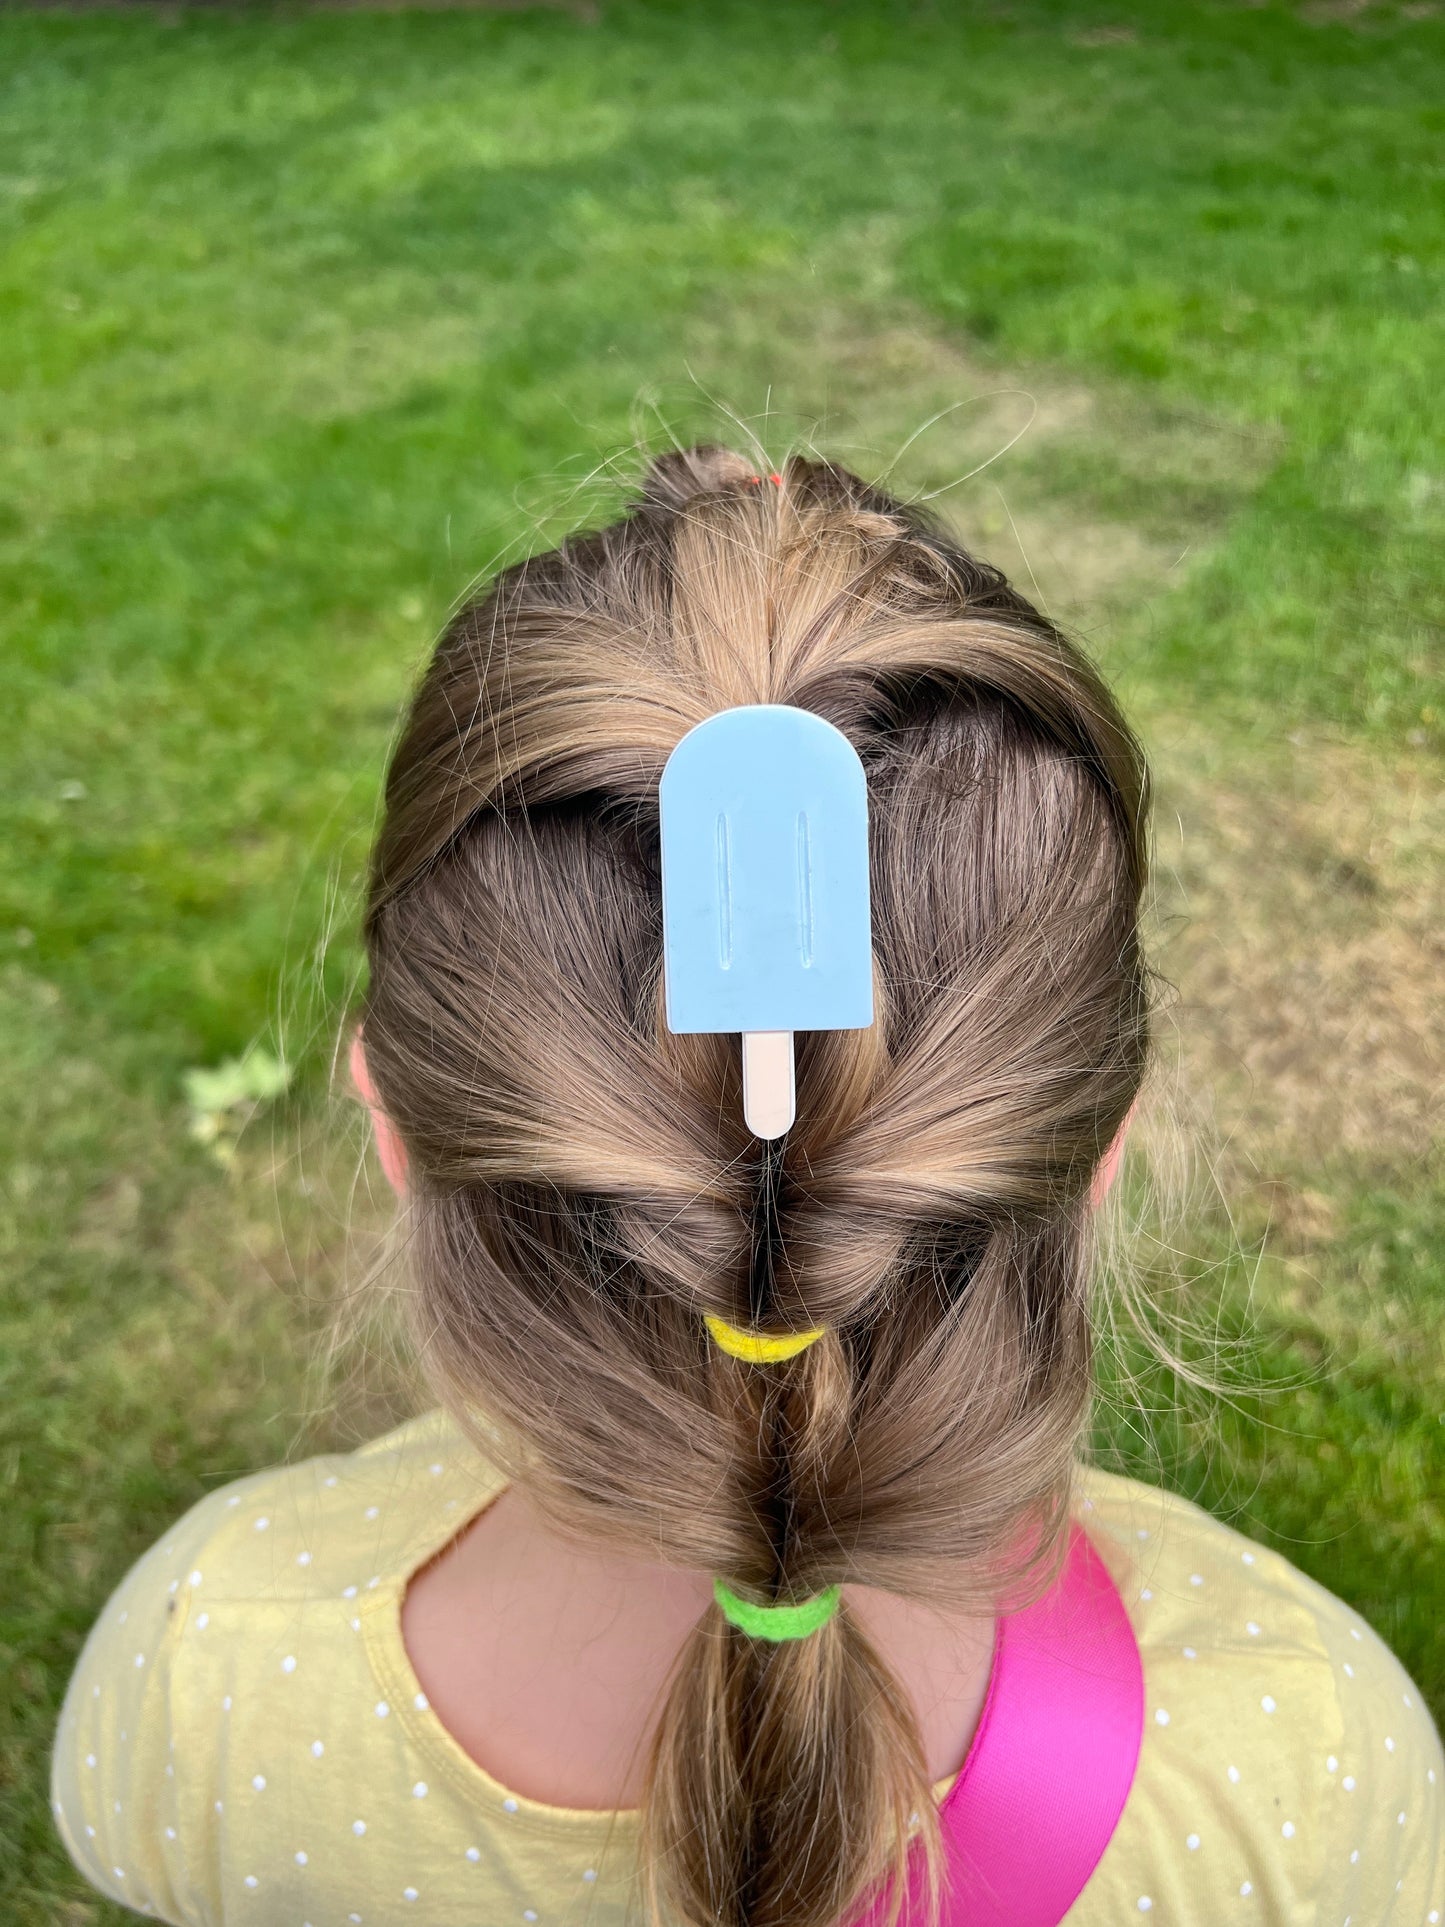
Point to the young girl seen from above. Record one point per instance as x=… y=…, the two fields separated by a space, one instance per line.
x=749 y=1574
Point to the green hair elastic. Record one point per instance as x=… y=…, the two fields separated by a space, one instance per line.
x=777 y=1623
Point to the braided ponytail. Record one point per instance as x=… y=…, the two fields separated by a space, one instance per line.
x=586 y=1194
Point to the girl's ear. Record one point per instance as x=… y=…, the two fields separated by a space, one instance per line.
x=389 y=1147
x=1110 y=1162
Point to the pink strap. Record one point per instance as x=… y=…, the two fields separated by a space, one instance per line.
x=1053 y=1758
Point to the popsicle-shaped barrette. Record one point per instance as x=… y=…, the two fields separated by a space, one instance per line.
x=765 y=909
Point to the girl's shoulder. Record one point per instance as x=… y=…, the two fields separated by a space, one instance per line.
x=336 y=1520
x=275 y=1584
x=337 y=1525
x=1286 y=1753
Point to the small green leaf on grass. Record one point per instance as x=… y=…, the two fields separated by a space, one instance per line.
x=225 y=1097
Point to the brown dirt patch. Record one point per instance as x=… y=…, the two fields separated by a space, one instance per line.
x=1301 y=912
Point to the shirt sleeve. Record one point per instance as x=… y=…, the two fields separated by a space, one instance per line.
x=1384 y=1845
x=114 y=1792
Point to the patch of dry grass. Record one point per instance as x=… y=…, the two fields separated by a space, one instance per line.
x=1302 y=912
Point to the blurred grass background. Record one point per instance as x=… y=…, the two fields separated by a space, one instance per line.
x=309 y=317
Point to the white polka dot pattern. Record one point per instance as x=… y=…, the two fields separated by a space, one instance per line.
x=1286 y=1755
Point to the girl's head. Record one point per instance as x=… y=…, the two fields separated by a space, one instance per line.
x=584 y=1189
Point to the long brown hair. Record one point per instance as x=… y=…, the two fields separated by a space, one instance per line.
x=584 y=1188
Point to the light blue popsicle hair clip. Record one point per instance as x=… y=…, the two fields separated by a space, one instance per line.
x=766 y=919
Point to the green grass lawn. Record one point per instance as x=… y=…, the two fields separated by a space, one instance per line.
x=307 y=320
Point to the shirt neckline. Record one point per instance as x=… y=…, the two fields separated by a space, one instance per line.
x=392 y=1667
x=398 y=1680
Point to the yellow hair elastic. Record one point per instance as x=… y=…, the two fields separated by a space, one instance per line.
x=757 y=1348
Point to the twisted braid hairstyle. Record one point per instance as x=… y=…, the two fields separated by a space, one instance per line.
x=584 y=1189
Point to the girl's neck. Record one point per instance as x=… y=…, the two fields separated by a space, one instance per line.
x=548 y=1660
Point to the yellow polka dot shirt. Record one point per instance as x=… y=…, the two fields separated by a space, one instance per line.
x=244 y=1741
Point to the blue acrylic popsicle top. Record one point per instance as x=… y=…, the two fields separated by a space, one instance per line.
x=765 y=905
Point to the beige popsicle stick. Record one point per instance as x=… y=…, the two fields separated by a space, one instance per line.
x=769 y=1098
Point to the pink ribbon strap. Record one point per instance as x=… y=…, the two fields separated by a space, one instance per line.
x=1053 y=1758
